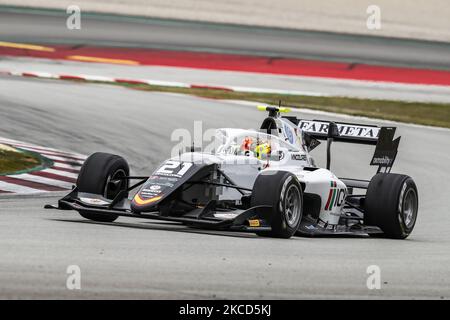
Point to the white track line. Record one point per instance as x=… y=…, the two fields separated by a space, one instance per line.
x=61 y=173
x=55 y=156
x=155 y=82
x=15 y=188
x=51 y=182
x=63 y=159
x=65 y=166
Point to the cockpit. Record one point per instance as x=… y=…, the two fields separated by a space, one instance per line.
x=251 y=143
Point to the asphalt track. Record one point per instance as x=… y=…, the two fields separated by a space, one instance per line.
x=44 y=26
x=141 y=259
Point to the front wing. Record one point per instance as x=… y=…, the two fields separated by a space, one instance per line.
x=209 y=217
x=249 y=220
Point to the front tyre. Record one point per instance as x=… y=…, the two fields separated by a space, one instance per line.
x=100 y=174
x=392 y=204
x=282 y=191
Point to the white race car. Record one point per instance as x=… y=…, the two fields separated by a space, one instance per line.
x=263 y=181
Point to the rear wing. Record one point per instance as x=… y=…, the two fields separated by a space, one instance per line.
x=348 y=132
x=382 y=137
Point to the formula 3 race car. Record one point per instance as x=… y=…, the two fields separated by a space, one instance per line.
x=263 y=181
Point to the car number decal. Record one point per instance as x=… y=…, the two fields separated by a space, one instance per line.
x=174 y=168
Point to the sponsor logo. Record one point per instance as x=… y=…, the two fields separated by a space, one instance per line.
x=345 y=130
x=298 y=157
x=385 y=160
x=147 y=192
x=288 y=133
x=283 y=189
x=225 y=215
x=325 y=225
x=254 y=223
x=336 y=196
x=161 y=180
x=145 y=195
x=400 y=202
x=154 y=188
x=93 y=201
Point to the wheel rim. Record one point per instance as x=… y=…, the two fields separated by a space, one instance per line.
x=111 y=193
x=292 y=205
x=410 y=208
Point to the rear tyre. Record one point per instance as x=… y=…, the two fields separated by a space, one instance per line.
x=282 y=191
x=96 y=176
x=391 y=204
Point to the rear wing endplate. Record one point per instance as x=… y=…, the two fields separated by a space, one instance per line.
x=386 y=149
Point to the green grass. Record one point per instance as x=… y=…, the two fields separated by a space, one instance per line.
x=11 y=161
x=432 y=114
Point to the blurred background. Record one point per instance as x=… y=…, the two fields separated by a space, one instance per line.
x=417 y=19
